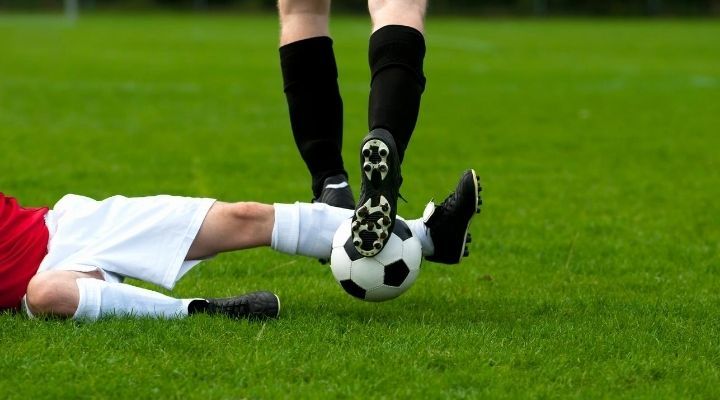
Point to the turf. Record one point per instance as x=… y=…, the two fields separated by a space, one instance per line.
x=593 y=273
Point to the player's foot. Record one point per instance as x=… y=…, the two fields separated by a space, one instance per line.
x=336 y=192
x=255 y=305
x=449 y=222
x=374 y=217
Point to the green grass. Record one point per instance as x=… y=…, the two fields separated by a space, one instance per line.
x=594 y=270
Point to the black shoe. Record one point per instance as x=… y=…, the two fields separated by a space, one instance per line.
x=374 y=217
x=255 y=305
x=449 y=222
x=337 y=193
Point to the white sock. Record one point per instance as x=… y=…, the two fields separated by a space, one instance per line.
x=99 y=298
x=307 y=229
x=418 y=228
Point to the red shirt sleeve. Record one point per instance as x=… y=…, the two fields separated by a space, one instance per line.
x=23 y=245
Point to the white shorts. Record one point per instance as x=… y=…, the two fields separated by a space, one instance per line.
x=145 y=238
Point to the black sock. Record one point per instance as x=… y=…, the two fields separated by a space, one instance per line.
x=316 y=110
x=396 y=56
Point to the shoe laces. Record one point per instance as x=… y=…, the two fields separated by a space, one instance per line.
x=449 y=202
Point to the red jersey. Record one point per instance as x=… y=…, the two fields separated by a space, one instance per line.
x=23 y=245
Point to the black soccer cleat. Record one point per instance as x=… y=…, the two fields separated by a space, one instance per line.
x=336 y=192
x=449 y=222
x=255 y=305
x=374 y=217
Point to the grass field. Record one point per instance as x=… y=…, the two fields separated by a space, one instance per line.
x=594 y=270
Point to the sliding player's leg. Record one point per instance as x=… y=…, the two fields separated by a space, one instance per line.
x=62 y=289
x=88 y=296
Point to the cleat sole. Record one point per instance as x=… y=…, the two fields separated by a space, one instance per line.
x=375 y=153
x=371 y=236
x=380 y=170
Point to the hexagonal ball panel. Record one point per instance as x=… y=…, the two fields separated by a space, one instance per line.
x=392 y=251
x=367 y=273
x=412 y=253
x=340 y=264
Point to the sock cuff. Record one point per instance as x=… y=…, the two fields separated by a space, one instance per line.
x=420 y=231
x=308 y=60
x=286 y=230
x=397 y=45
x=89 y=298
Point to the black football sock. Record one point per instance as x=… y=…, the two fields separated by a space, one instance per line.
x=316 y=110
x=396 y=56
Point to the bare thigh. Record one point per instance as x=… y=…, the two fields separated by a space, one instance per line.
x=233 y=226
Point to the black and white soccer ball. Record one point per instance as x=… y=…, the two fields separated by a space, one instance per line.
x=383 y=277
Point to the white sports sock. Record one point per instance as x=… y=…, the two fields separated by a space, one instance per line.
x=99 y=298
x=307 y=229
x=418 y=228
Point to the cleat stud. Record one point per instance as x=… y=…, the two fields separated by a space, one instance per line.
x=386 y=220
x=385 y=207
x=367 y=167
x=477 y=210
x=357 y=242
x=383 y=153
x=383 y=235
x=468 y=238
x=466 y=252
x=366 y=152
x=383 y=168
x=377 y=246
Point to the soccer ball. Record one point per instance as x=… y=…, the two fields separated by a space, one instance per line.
x=383 y=277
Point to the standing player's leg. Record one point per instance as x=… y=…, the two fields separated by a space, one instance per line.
x=396 y=54
x=311 y=88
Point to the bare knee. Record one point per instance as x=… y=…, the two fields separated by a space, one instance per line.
x=246 y=211
x=398 y=12
x=233 y=226
x=303 y=19
x=251 y=217
x=54 y=293
x=303 y=7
